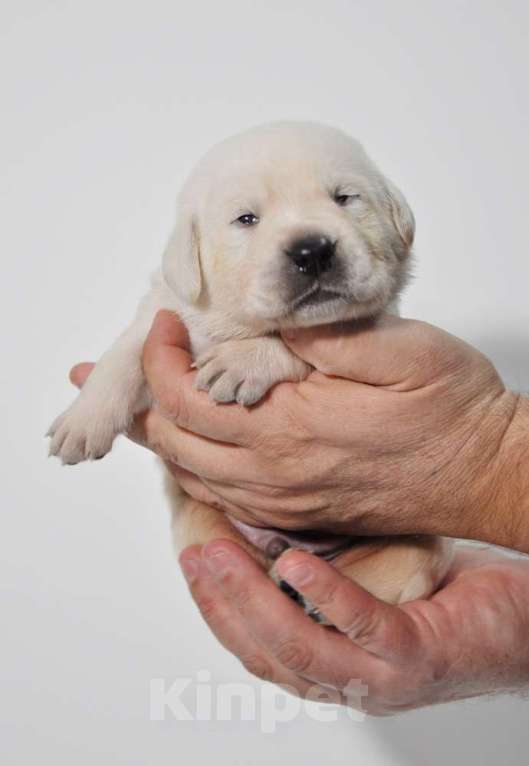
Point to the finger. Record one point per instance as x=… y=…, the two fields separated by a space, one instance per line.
x=266 y=501
x=188 y=456
x=194 y=486
x=167 y=365
x=388 y=352
x=80 y=372
x=206 y=492
x=377 y=627
x=226 y=624
x=197 y=454
x=311 y=651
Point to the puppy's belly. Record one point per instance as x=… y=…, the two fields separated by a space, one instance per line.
x=272 y=541
x=394 y=569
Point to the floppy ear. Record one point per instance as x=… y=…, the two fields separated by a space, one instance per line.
x=181 y=260
x=401 y=213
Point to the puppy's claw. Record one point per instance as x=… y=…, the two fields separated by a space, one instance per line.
x=250 y=392
x=204 y=358
x=227 y=383
x=207 y=378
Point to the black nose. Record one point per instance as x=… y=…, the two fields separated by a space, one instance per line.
x=312 y=255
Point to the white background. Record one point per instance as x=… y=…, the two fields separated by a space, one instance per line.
x=105 y=107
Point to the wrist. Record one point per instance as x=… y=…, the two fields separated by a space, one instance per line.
x=506 y=506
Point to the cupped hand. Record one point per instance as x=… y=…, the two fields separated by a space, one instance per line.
x=468 y=639
x=399 y=429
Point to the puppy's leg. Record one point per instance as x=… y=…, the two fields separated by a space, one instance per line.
x=398 y=569
x=244 y=370
x=113 y=393
x=393 y=569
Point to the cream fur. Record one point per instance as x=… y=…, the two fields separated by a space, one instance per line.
x=226 y=281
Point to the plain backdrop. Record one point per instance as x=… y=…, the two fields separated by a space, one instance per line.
x=105 y=107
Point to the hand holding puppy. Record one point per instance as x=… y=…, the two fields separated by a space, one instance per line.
x=403 y=429
x=442 y=442
x=467 y=640
x=284 y=226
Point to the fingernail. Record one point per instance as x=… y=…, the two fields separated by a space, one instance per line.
x=217 y=559
x=298 y=575
x=190 y=568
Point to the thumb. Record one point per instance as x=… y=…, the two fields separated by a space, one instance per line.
x=80 y=372
x=379 y=628
x=389 y=351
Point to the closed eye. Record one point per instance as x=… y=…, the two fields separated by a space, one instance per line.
x=345 y=199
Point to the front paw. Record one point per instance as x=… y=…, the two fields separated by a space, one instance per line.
x=229 y=374
x=244 y=370
x=83 y=433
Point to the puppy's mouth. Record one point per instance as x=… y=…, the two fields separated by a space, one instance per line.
x=316 y=296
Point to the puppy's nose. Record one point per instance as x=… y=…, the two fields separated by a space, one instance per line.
x=312 y=254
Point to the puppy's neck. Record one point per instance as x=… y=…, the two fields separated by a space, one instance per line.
x=207 y=327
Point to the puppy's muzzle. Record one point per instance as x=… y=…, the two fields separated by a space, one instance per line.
x=312 y=254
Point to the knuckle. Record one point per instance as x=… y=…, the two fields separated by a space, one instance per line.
x=258 y=666
x=207 y=606
x=364 y=628
x=173 y=404
x=327 y=594
x=243 y=596
x=325 y=365
x=217 y=502
x=159 y=439
x=262 y=494
x=294 y=656
x=157 y=443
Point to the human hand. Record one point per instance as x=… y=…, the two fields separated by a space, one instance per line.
x=404 y=429
x=468 y=639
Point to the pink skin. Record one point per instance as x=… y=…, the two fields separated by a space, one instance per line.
x=468 y=639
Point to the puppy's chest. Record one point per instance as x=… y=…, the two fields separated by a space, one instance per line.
x=200 y=342
x=202 y=339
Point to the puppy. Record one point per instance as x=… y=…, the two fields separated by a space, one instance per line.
x=286 y=225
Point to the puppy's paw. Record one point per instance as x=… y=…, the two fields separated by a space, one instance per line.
x=306 y=604
x=230 y=380
x=83 y=432
x=243 y=371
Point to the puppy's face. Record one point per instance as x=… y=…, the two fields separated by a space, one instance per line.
x=291 y=225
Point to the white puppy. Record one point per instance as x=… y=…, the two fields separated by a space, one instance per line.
x=286 y=225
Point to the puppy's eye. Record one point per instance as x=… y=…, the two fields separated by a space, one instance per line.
x=248 y=219
x=345 y=199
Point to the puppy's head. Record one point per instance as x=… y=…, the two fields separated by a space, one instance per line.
x=289 y=224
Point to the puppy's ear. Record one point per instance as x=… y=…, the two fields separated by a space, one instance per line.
x=181 y=258
x=400 y=212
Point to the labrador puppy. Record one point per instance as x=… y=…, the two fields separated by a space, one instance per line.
x=287 y=225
